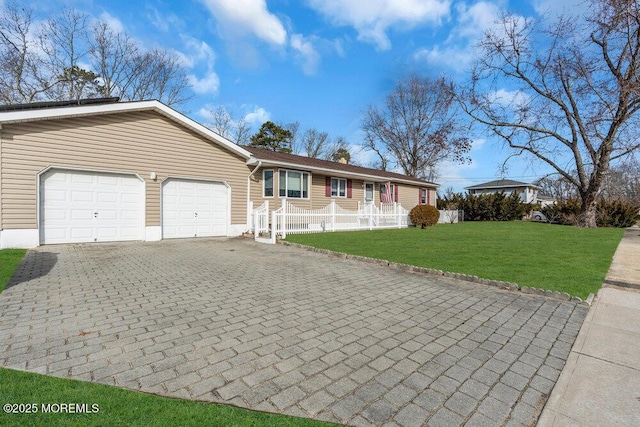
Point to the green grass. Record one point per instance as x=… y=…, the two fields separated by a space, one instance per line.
x=119 y=407
x=9 y=260
x=555 y=257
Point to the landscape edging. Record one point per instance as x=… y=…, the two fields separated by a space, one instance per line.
x=509 y=286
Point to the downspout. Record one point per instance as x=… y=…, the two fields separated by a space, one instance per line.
x=249 y=192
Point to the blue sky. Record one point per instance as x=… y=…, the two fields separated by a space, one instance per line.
x=318 y=62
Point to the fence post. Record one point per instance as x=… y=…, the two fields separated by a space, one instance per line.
x=274 y=227
x=284 y=218
x=333 y=215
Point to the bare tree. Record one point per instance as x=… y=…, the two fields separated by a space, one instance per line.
x=417 y=127
x=225 y=125
x=222 y=121
x=242 y=132
x=623 y=182
x=22 y=72
x=566 y=93
x=294 y=128
x=158 y=74
x=62 y=57
x=65 y=42
x=314 y=143
x=112 y=54
x=557 y=187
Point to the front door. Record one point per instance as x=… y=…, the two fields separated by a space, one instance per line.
x=368 y=192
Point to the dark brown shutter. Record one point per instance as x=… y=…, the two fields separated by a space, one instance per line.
x=396 y=191
x=327 y=187
x=349 y=189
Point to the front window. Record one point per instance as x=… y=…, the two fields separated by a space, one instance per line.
x=338 y=187
x=294 y=184
x=267 y=179
x=423 y=196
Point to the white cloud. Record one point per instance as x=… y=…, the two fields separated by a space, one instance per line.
x=508 y=98
x=474 y=20
x=372 y=18
x=198 y=51
x=459 y=49
x=209 y=84
x=164 y=22
x=306 y=53
x=256 y=116
x=112 y=22
x=200 y=58
x=451 y=57
x=242 y=17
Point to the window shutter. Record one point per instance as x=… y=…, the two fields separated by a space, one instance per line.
x=396 y=195
x=419 y=196
x=349 y=189
x=327 y=187
x=428 y=196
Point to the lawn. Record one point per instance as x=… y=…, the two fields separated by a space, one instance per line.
x=9 y=260
x=555 y=257
x=116 y=407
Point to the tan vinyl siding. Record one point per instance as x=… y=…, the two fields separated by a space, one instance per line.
x=140 y=142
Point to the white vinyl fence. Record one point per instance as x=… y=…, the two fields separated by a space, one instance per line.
x=291 y=219
x=448 y=217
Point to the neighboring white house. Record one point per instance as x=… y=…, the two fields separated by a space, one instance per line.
x=528 y=192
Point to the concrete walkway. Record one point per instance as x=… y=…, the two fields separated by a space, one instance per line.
x=600 y=384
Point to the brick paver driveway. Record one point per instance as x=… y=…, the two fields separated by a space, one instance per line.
x=280 y=329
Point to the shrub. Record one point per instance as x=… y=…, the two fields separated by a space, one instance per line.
x=610 y=213
x=488 y=207
x=616 y=213
x=424 y=215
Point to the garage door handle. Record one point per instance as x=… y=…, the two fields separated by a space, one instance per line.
x=95 y=214
x=196 y=214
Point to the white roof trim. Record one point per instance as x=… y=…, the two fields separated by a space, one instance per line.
x=56 y=113
x=337 y=172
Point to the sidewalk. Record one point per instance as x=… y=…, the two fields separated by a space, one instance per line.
x=600 y=383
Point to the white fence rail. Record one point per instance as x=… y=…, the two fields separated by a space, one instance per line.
x=291 y=219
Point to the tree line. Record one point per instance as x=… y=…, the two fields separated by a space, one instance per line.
x=72 y=56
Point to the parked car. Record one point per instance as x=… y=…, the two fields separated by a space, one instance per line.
x=538 y=216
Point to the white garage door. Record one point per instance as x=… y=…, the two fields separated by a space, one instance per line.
x=78 y=207
x=192 y=208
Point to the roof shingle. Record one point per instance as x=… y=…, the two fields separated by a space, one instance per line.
x=302 y=161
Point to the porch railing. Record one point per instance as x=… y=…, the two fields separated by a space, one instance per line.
x=291 y=219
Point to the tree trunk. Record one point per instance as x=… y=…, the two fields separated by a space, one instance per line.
x=588 y=211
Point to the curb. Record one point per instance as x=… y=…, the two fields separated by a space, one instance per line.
x=509 y=286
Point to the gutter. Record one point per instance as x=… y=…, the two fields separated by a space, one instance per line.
x=336 y=172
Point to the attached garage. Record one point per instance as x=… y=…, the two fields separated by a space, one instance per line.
x=100 y=171
x=194 y=208
x=86 y=206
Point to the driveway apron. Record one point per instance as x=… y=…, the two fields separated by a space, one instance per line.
x=281 y=329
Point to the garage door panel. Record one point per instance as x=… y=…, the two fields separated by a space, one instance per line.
x=79 y=206
x=194 y=208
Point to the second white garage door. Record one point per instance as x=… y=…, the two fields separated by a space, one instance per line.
x=192 y=208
